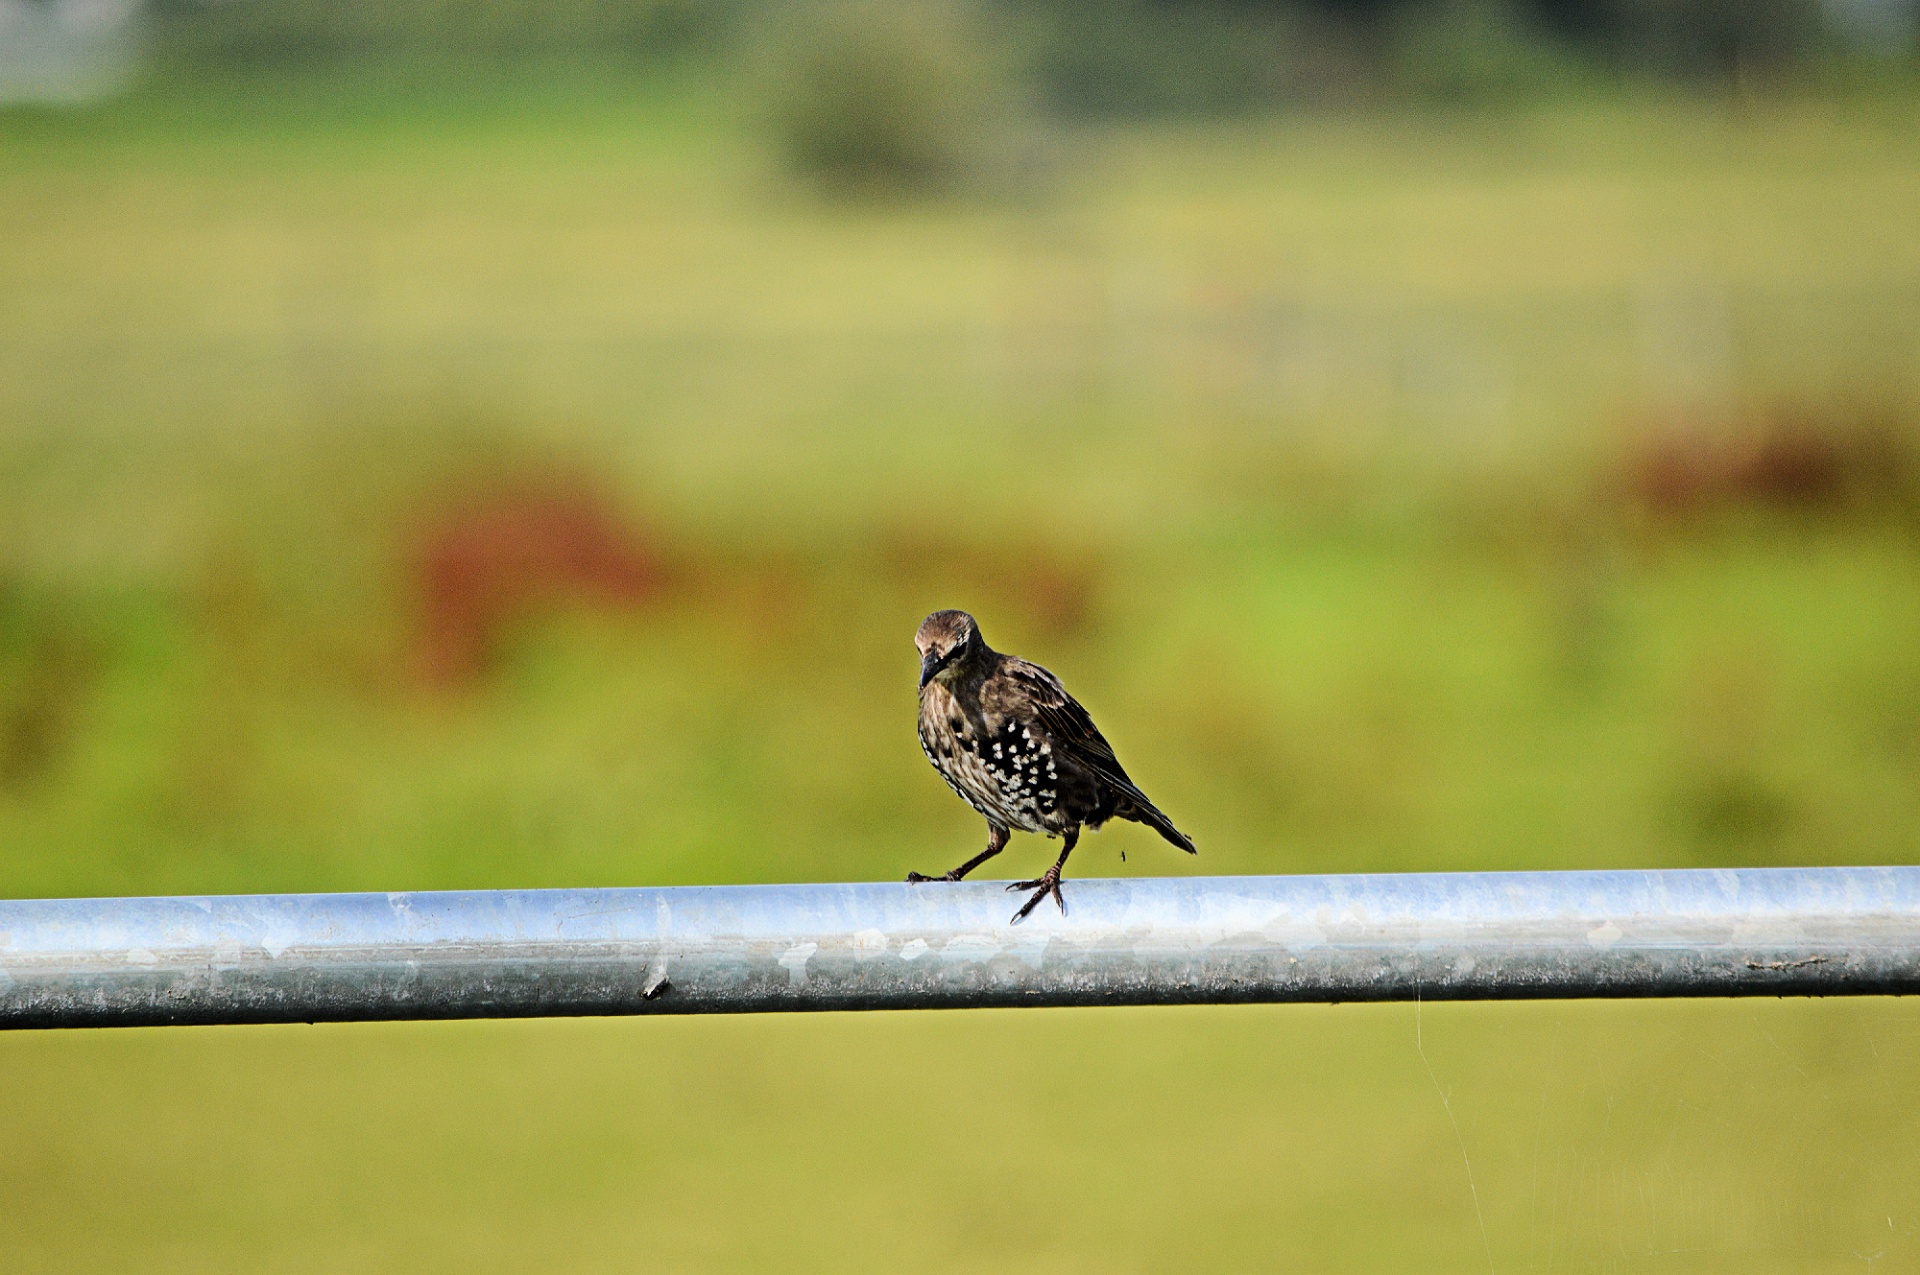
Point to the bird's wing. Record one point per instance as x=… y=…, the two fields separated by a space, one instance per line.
x=1071 y=726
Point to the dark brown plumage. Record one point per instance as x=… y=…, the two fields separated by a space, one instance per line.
x=1008 y=738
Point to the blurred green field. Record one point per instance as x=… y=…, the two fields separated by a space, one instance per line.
x=1313 y=453
x=1711 y=1136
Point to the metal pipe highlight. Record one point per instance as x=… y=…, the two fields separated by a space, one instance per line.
x=1152 y=941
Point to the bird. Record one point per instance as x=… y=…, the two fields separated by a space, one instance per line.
x=1006 y=736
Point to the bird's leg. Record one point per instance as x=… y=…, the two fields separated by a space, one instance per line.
x=1049 y=883
x=996 y=842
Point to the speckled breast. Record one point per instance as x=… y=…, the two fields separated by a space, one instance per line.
x=1007 y=771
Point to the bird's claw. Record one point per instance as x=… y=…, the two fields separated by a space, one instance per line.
x=1041 y=887
x=915 y=878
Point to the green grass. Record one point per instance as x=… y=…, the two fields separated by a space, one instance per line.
x=1295 y=447
x=1711 y=1136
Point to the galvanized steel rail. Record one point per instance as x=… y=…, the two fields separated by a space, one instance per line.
x=745 y=949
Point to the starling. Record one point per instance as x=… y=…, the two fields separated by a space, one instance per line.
x=1008 y=738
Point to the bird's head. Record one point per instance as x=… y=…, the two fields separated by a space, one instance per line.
x=949 y=642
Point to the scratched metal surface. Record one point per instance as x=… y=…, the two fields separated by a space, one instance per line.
x=744 y=949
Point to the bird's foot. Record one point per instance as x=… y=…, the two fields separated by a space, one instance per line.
x=914 y=878
x=1041 y=887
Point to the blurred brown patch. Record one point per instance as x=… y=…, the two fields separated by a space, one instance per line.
x=1790 y=458
x=491 y=558
x=760 y=595
x=1054 y=590
x=1733 y=814
x=46 y=668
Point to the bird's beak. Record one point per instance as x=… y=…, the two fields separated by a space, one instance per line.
x=929 y=665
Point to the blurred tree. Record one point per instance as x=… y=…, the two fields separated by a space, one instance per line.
x=1719 y=38
x=848 y=66
x=885 y=93
x=1150 y=57
x=303 y=31
x=1478 y=51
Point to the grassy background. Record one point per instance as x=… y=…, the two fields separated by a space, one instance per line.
x=1313 y=453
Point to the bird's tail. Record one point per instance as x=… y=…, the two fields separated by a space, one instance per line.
x=1146 y=812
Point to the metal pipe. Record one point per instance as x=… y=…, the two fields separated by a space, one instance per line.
x=745 y=949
